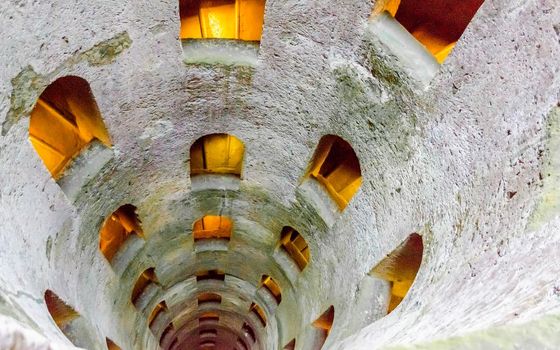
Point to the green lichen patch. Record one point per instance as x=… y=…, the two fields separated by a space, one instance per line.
x=385 y=72
x=371 y=107
x=349 y=82
x=539 y=334
x=28 y=85
x=107 y=51
x=26 y=88
x=548 y=206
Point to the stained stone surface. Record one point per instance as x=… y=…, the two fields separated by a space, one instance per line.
x=468 y=160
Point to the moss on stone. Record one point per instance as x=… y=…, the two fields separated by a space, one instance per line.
x=26 y=88
x=349 y=83
x=538 y=334
x=548 y=206
x=107 y=51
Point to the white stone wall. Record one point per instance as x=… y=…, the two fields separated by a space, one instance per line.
x=461 y=161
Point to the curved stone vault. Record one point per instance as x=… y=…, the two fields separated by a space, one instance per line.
x=276 y=175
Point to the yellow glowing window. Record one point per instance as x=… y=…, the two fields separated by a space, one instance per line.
x=144 y=280
x=217 y=227
x=259 y=312
x=211 y=275
x=336 y=166
x=217 y=154
x=209 y=298
x=111 y=345
x=272 y=286
x=400 y=268
x=161 y=307
x=61 y=313
x=436 y=24
x=64 y=121
x=117 y=228
x=222 y=19
x=323 y=325
x=296 y=246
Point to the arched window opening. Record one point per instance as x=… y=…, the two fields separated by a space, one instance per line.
x=111 y=345
x=336 y=166
x=249 y=332
x=222 y=19
x=436 y=24
x=400 y=268
x=272 y=286
x=212 y=227
x=209 y=317
x=161 y=307
x=166 y=333
x=208 y=344
x=117 y=228
x=296 y=246
x=217 y=154
x=75 y=327
x=209 y=298
x=147 y=278
x=211 y=333
x=218 y=275
x=323 y=325
x=241 y=344
x=291 y=345
x=64 y=121
x=259 y=312
x=62 y=314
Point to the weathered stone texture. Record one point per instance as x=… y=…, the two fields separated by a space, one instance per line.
x=469 y=161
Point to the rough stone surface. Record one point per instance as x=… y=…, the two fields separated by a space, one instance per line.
x=469 y=161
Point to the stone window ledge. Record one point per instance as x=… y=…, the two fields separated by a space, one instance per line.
x=316 y=195
x=209 y=245
x=287 y=264
x=394 y=47
x=220 y=52
x=84 y=168
x=225 y=182
x=126 y=254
